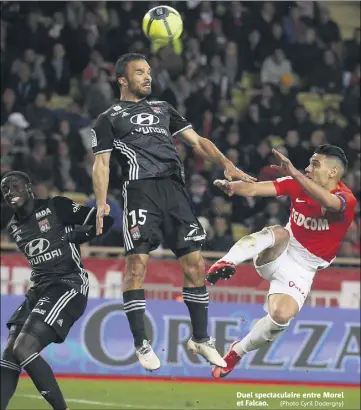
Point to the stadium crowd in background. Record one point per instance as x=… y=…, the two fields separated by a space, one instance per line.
x=249 y=76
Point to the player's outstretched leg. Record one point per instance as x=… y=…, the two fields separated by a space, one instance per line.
x=26 y=351
x=10 y=369
x=195 y=296
x=134 y=307
x=247 y=248
x=282 y=308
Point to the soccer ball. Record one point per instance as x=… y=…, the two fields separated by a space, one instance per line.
x=162 y=23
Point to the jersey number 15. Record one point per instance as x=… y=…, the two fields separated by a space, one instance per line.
x=141 y=217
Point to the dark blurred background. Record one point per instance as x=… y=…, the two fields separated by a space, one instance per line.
x=249 y=76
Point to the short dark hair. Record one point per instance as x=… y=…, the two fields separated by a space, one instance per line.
x=17 y=174
x=122 y=62
x=333 y=151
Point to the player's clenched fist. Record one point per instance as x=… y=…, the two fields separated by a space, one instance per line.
x=102 y=210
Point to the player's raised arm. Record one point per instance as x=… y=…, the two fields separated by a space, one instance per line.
x=241 y=188
x=71 y=213
x=101 y=183
x=206 y=149
x=102 y=144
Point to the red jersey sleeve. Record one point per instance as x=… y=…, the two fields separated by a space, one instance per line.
x=285 y=186
x=347 y=200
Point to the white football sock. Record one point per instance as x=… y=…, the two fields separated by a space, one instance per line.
x=250 y=246
x=264 y=331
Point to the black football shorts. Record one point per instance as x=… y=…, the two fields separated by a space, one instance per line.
x=158 y=210
x=57 y=304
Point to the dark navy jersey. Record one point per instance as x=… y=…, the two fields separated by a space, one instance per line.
x=40 y=237
x=140 y=136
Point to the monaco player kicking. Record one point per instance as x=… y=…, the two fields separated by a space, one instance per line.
x=322 y=209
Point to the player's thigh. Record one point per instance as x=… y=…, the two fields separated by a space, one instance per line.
x=21 y=314
x=59 y=306
x=184 y=232
x=286 y=277
x=142 y=217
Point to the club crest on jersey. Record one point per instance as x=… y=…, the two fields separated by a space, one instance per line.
x=157 y=110
x=135 y=232
x=44 y=225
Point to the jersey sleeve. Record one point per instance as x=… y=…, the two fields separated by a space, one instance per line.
x=347 y=200
x=177 y=123
x=285 y=186
x=71 y=213
x=102 y=135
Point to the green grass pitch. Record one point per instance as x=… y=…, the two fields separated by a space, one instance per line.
x=154 y=395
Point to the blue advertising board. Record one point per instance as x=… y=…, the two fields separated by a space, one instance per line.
x=320 y=345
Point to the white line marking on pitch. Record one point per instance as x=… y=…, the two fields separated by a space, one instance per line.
x=96 y=403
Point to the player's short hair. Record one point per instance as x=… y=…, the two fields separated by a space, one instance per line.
x=20 y=174
x=122 y=63
x=334 y=152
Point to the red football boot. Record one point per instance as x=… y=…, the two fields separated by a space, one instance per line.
x=220 y=270
x=231 y=358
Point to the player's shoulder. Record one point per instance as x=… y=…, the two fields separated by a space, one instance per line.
x=58 y=200
x=114 y=109
x=344 y=190
x=158 y=102
x=287 y=180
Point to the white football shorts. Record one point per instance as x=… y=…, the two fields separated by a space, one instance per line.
x=287 y=276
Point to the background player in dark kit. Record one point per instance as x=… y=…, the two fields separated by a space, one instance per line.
x=45 y=232
x=140 y=134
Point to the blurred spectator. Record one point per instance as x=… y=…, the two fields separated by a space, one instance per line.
x=8 y=104
x=293 y=26
x=327 y=77
x=241 y=74
x=352 y=51
x=222 y=239
x=100 y=94
x=274 y=214
x=24 y=87
x=333 y=131
x=64 y=169
x=57 y=71
x=7 y=158
x=328 y=30
x=274 y=67
x=39 y=115
x=296 y=152
x=306 y=51
x=14 y=130
x=38 y=165
x=302 y=123
x=199 y=193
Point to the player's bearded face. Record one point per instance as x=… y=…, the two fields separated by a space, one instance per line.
x=139 y=79
x=15 y=191
x=140 y=88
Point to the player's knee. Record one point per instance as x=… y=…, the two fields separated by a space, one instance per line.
x=25 y=345
x=135 y=269
x=193 y=269
x=281 y=234
x=281 y=314
x=8 y=352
